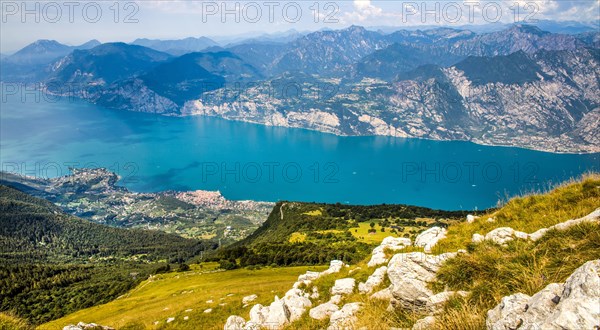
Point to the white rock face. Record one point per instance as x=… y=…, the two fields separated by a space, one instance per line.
x=234 y=322
x=538 y=234
x=572 y=305
x=279 y=314
x=345 y=318
x=429 y=238
x=297 y=302
x=389 y=243
x=409 y=274
x=249 y=299
x=385 y=294
x=259 y=313
x=504 y=235
x=308 y=276
x=373 y=281
x=85 y=326
x=334 y=267
x=336 y=299
x=477 y=238
x=208 y=310
x=343 y=286
x=592 y=217
x=471 y=218
x=424 y=323
x=508 y=312
x=323 y=311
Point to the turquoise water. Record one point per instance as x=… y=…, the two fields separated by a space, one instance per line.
x=247 y=161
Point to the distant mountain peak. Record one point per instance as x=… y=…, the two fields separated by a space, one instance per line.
x=526 y=28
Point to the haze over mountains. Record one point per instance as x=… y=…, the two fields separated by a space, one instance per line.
x=520 y=86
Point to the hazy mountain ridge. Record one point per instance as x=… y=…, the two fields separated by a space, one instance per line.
x=30 y=63
x=177 y=47
x=520 y=86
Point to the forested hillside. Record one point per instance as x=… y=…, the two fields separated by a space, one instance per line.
x=52 y=264
x=311 y=233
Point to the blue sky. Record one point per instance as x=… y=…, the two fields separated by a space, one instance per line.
x=74 y=22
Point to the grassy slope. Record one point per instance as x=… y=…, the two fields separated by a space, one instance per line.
x=570 y=200
x=10 y=322
x=181 y=291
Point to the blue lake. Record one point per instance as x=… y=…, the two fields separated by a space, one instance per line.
x=247 y=161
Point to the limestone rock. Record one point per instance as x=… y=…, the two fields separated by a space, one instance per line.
x=235 y=322
x=477 y=238
x=385 y=294
x=249 y=299
x=309 y=276
x=343 y=286
x=471 y=218
x=504 y=235
x=429 y=238
x=424 y=323
x=592 y=217
x=334 y=267
x=86 y=326
x=279 y=314
x=259 y=313
x=344 y=318
x=373 y=281
x=409 y=274
x=315 y=293
x=335 y=299
x=323 y=311
x=297 y=302
x=538 y=234
x=574 y=305
x=389 y=243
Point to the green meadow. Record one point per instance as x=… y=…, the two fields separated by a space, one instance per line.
x=185 y=296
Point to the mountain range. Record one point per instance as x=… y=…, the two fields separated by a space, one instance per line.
x=520 y=86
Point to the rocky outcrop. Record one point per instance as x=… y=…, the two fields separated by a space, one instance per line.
x=572 y=305
x=424 y=323
x=504 y=235
x=296 y=301
x=409 y=274
x=345 y=318
x=343 y=286
x=323 y=311
x=373 y=281
x=334 y=267
x=249 y=299
x=235 y=322
x=429 y=238
x=87 y=326
x=293 y=304
x=385 y=294
x=378 y=256
x=477 y=238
